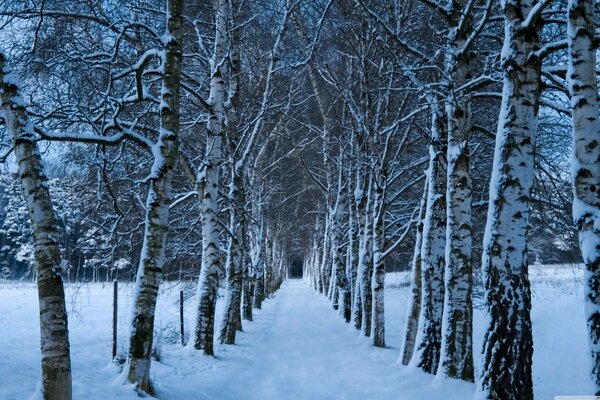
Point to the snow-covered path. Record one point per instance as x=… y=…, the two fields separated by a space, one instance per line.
x=307 y=353
x=297 y=349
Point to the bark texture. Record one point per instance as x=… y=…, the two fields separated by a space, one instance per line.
x=361 y=204
x=341 y=280
x=157 y=207
x=457 y=328
x=54 y=331
x=234 y=268
x=365 y=267
x=414 y=301
x=429 y=335
x=508 y=346
x=585 y=162
x=378 y=278
x=209 y=184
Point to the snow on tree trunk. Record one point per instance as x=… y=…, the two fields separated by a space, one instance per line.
x=326 y=256
x=361 y=204
x=508 y=347
x=414 y=301
x=317 y=266
x=54 y=331
x=234 y=267
x=585 y=162
x=348 y=272
x=209 y=184
x=338 y=246
x=247 y=278
x=157 y=208
x=378 y=278
x=429 y=335
x=259 y=293
x=457 y=341
x=268 y=265
x=309 y=264
x=334 y=297
x=457 y=328
x=321 y=280
x=365 y=266
x=258 y=264
x=352 y=250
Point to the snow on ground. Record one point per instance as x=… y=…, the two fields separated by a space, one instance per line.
x=297 y=347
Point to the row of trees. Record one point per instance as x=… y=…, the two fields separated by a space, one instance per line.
x=445 y=79
x=238 y=135
x=163 y=113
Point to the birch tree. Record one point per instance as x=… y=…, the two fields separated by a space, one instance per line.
x=429 y=334
x=54 y=331
x=456 y=358
x=209 y=182
x=508 y=347
x=411 y=323
x=341 y=279
x=157 y=206
x=583 y=88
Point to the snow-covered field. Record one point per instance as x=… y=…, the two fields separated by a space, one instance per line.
x=297 y=347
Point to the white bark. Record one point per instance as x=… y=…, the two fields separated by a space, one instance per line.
x=429 y=334
x=508 y=347
x=209 y=184
x=258 y=264
x=583 y=87
x=365 y=265
x=414 y=302
x=235 y=263
x=378 y=278
x=157 y=208
x=341 y=280
x=456 y=359
x=54 y=331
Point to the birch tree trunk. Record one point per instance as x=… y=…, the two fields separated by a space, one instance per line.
x=258 y=262
x=378 y=279
x=333 y=289
x=316 y=267
x=414 y=301
x=326 y=255
x=365 y=266
x=247 y=278
x=209 y=181
x=456 y=360
x=233 y=296
x=234 y=267
x=361 y=211
x=583 y=87
x=342 y=284
x=54 y=331
x=508 y=347
x=429 y=335
x=352 y=248
x=157 y=208
x=268 y=264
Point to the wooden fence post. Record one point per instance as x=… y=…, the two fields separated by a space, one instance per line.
x=181 y=315
x=115 y=306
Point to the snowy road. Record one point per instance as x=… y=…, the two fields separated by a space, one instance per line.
x=298 y=349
